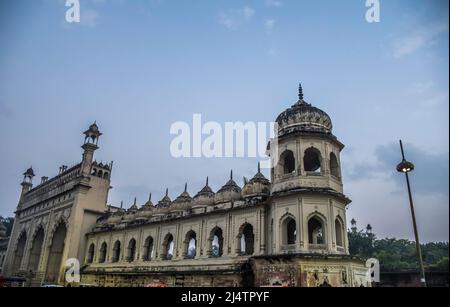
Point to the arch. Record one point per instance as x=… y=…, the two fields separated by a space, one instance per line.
x=131 y=250
x=116 y=251
x=316 y=230
x=103 y=250
x=94 y=172
x=312 y=160
x=334 y=165
x=168 y=247
x=106 y=175
x=339 y=230
x=216 y=242
x=148 y=249
x=91 y=253
x=100 y=173
x=289 y=230
x=190 y=245
x=287 y=162
x=19 y=252
x=56 y=252
x=36 y=249
x=246 y=239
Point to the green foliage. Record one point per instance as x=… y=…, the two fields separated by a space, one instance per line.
x=398 y=254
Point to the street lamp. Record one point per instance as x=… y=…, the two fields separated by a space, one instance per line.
x=406 y=167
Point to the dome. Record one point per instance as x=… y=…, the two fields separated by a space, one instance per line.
x=165 y=201
x=303 y=117
x=183 y=202
x=229 y=192
x=257 y=186
x=204 y=198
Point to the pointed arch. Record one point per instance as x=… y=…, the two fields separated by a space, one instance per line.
x=168 y=247
x=56 y=250
x=316 y=230
x=116 y=251
x=288 y=225
x=339 y=231
x=148 y=252
x=103 y=251
x=216 y=242
x=19 y=251
x=131 y=250
x=246 y=240
x=36 y=249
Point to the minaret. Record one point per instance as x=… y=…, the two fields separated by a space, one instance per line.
x=90 y=145
x=27 y=182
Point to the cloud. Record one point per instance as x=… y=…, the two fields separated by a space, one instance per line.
x=235 y=18
x=421 y=38
x=269 y=24
x=273 y=3
x=431 y=174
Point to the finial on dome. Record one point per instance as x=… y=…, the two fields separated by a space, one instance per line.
x=300 y=91
x=207 y=180
x=185 y=187
x=135 y=201
x=150 y=196
x=121 y=204
x=167 y=191
x=259 y=167
x=231 y=175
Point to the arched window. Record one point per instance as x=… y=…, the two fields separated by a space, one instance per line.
x=91 y=252
x=131 y=250
x=247 y=239
x=116 y=252
x=168 y=247
x=100 y=173
x=105 y=175
x=339 y=233
x=148 y=249
x=216 y=239
x=289 y=231
x=334 y=166
x=287 y=162
x=312 y=160
x=102 y=256
x=190 y=242
x=315 y=231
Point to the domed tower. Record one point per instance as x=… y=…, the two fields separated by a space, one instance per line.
x=308 y=201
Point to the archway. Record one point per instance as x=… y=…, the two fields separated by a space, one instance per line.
x=168 y=247
x=19 y=252
x=334 y=166
x=216 y=241
x=56 y=253
x=190 y=248
x=246 y=239
x=103 y=250
x=312 y=160
x=316 y=234
x=148 y=249
x=131 y=254
x=287 y=162
x=91 y=253
x=116 y=251
x=339 y=233
x=36 y=250
x=289 y=231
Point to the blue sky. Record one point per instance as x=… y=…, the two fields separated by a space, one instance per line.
x=138 y=66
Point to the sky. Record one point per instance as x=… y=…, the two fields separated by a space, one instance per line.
x=138 y=66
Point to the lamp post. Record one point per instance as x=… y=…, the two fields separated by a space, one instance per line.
x=406 y=167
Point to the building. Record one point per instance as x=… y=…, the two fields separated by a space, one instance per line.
x=52 y=219
x=286 y=231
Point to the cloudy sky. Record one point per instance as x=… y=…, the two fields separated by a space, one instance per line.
x=138 y=66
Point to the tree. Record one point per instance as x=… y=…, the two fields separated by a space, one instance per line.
x=8 y=222
x=397 y=254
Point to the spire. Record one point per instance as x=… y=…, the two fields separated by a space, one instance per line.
x=207 y=181
x=150 y=196
x=121 y=204
x=259 y=167
x=300 y=91
x=167 y=192
x=231 y=175
x=135 y=200
x=185 y=187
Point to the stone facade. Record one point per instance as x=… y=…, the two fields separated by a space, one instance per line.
x=286 y=231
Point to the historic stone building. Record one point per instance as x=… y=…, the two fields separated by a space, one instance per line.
x=286 y=231
x=4 y=239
